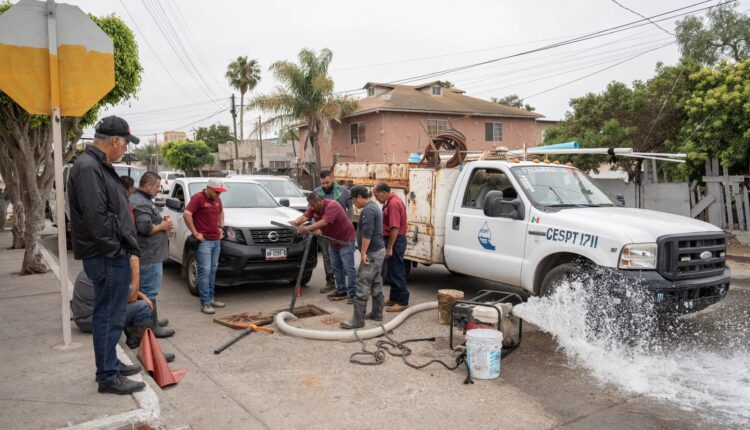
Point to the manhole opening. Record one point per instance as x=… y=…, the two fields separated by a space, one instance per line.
x=245 y=319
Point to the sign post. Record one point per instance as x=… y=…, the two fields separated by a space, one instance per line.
x=55 y=61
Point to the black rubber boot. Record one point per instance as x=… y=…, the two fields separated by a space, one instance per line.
x=133 y=335
x=358 y=319
x=377 y=309
x=157 y=329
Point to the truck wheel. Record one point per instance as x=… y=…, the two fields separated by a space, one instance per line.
x=68 y=239
x=305 y=278
x=559 y=274
x=191 y=270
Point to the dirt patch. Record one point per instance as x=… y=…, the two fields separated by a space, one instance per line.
x=312 y=381
x=331 y=320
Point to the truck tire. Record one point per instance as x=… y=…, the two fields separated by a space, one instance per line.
x=557 y=275
x=305 y=278
x=191 y=271
x=68 y=238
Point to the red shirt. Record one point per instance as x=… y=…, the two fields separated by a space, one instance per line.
x=339 y=227
x=206 y=213
x=394 y=215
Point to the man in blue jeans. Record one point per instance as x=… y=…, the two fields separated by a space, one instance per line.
x=204 y=216
x=152 y=231
x=103 y=236
x=329 y=217
x=394 y=232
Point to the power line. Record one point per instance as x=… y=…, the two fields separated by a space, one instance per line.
x=153 y=51
x=649 y=20
x=589 y=36
x=598 y=71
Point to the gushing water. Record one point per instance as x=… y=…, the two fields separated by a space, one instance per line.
x=700 y=363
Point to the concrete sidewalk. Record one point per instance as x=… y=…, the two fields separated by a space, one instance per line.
x=46 y=387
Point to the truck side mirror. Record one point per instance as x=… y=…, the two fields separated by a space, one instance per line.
x=174 y=204
x=284 y=202
x=621 y=199
x=159 y=202
x=495 y=206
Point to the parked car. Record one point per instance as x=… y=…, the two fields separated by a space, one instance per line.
x=167 y=178
x=281 y=187
x=253 y=249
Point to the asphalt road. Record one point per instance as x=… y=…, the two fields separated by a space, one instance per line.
x=276 y=381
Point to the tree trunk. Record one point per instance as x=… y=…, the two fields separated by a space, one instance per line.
x=10 y=175
x=32 y=257
x=314 y=167
x=19 y=226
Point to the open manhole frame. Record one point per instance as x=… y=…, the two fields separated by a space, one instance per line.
x=243 y=320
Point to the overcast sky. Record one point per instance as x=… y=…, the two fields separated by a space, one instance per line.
x=384 y=41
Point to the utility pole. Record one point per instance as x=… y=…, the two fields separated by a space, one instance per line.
x=260 y=142
x=236 y=146
x=156 y=143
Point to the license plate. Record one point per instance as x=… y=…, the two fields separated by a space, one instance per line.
x=276 y=254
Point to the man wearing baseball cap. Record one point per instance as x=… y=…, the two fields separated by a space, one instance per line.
x=204 y=216
x=104 y=237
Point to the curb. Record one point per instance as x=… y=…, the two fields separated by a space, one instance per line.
x=149 y=410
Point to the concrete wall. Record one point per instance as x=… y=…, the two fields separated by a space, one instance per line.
x=670 y=197
x=392 y=136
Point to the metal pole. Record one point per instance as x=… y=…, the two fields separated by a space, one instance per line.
x=236 y=146
x=156 y=142
x=260 y=142
x=297 y=285
x=62 y=249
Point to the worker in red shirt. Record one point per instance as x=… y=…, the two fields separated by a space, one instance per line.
x=204 y=216
x=330 y=218
x=394 y=230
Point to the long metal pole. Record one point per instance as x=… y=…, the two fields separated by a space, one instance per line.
x=62 y=249
x=301 y=273
x=156 y=142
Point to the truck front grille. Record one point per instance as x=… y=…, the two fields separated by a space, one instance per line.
x=692 y=256
x=266 y=236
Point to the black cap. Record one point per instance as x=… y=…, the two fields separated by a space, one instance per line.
x=115 y=126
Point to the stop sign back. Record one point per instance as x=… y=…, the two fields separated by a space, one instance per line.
x=85 y=58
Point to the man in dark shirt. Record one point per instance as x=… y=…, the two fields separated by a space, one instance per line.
x=329 y=189
x=394 y=231
x=372 y=253
x=329 y=217
x=204 y=216
x=103 y=236
x=152 y=238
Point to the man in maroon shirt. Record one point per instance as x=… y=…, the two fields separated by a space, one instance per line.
x=394 y=230
x=204 y=216
x=330 y=218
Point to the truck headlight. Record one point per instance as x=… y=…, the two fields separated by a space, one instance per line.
x=638 y=256
x=233 y=235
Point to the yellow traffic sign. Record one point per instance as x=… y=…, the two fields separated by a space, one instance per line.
x=81 y=64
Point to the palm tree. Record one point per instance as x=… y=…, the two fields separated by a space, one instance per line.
x=243 y=75
x=305 y=95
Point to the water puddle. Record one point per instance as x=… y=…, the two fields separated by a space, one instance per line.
x=700 y=363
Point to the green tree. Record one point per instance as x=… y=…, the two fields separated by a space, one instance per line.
x=512 y=100
x=718 y=124
x=725 y=34
x=646 y=117
x=187 y=155
x=26 y=144
x=447 y=84
x=214 y=135
x=146 y=154
x=305 y=95
x=243 y=75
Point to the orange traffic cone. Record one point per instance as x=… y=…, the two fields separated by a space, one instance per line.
x=153 y=361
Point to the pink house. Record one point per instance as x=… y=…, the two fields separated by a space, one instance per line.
x=394 y=121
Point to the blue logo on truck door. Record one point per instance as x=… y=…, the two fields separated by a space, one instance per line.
x=485 y=237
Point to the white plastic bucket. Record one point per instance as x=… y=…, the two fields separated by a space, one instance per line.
x=483 y=349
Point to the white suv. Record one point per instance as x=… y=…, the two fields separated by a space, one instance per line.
x=167 y=178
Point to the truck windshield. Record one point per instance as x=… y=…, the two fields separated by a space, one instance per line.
x=280 y=188
x=133 y=172
x=560 y=187
x=240 y=195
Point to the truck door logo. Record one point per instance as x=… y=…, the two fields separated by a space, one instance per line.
x=485 y=237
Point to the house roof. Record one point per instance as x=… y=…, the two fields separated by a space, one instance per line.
x=407 y=98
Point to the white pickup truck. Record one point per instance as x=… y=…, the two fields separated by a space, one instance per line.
x=533 y=225
x=252 y=249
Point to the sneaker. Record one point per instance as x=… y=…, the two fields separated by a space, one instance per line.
x=217 y=304
x=389 y=302
x=397 y=308
x=129 y=369
x=337 y=296
x=207 y=309
x=120 y=385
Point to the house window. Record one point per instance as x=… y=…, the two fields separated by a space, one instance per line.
x=370 y=92
x=493 y=131
x=436 y=90
x=279 y=164
x=436 y=126
x=357 y=131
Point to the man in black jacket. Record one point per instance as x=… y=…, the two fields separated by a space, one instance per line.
x=104 y=237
